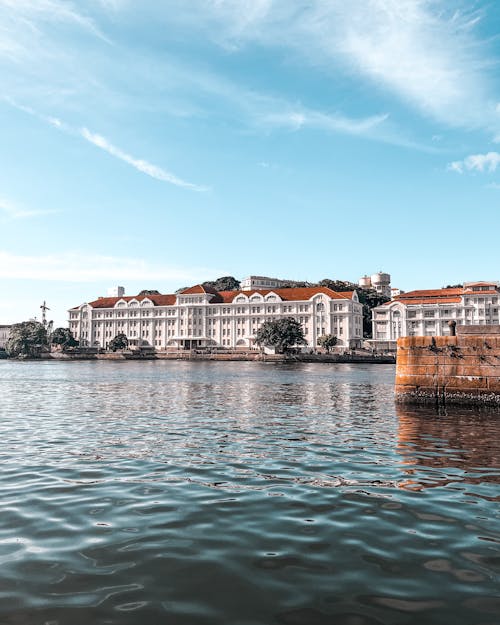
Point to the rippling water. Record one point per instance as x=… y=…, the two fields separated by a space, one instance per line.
x=241 y=494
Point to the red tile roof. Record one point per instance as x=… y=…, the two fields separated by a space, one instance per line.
x=300 y=294
x=435 y=300
x=430 y=296
x=158 y=300
x=441 y=296
x=432 y=293
x=226 y=297
x=198 y=288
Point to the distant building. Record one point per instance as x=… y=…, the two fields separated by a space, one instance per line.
x=427 y=312
x=262 y=282
x=380 y=282
x=116 y=291
x=200 y=317
x=4 y=335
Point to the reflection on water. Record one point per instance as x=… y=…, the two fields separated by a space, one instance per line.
x=241 y=493
x=453 y=445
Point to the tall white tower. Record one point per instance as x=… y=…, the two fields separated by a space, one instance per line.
x=365 y=282
x=381 y=282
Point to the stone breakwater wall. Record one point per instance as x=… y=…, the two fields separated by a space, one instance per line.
x=461 y=369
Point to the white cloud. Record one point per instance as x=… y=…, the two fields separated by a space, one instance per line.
x=101 y=142
x=426 y=52
x=242 y=14
x=477 y=162
x=315 y=119
x=141 y=165
x=69 y=267
x=190 y=91
x=12 y=211
x=28 y=12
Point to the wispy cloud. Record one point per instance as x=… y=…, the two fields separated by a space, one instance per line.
x=301 y=118
x=312 y=28
x=68 y=267
x=427 y=53
x=12 y=211
x=154 y=171
x=29 y=12
x=141 y=165
x=476 y=162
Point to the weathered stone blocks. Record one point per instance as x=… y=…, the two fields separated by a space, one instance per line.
x=463 y=369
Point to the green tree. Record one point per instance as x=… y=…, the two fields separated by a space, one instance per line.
x=327 y=341
x=63 y=337
x=338 y=285
x=295 y=284
x=226 y=283
x=149 y=292
x=281 y=334
x=27 y=340
x=370 y=299
x=119 y=342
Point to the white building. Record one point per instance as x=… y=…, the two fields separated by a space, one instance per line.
x=200 y=317
x=4 y=335
x=262 y=282
x=427 y=313
x=380 y=282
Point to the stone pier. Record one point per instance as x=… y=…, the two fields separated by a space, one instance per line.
x=462 y=369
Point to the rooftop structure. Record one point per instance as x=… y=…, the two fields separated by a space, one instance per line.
x=380 y=282
x=261 y=282
x=116 y=291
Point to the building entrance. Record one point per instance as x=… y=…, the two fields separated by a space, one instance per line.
x=190 y=343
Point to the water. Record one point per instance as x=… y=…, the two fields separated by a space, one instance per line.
x=241 y=494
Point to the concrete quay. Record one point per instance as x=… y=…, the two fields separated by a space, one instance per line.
x=462 y=369
x=354 y=357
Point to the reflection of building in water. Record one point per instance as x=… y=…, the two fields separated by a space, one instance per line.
x=464 y=440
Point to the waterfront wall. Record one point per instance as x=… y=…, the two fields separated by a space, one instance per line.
x=222 y=356
x=461 y=369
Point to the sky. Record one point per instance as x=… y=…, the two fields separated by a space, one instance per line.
x=162 y=143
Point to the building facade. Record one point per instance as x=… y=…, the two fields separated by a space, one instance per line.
x=427 y=312
x=201 y=318
x=261 y=282
x=4 y=335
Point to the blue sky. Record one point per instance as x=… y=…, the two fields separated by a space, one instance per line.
x=162 y=143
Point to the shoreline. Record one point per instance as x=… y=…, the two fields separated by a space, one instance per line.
x=217 y=357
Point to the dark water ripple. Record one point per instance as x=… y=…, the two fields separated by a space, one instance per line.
x=241 y=493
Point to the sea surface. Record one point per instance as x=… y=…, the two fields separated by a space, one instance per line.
x=241 y=493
